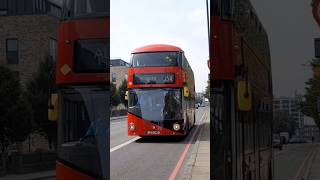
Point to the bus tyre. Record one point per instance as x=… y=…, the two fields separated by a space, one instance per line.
x=187 y=130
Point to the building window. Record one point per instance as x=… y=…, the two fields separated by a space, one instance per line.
x=53 y=46
x=12 y=51
x=114 y=77
x=3 y=12
x=39 y=6
x=3 y=7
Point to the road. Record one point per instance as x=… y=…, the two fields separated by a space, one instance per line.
x=154 y=158
x=292 y=162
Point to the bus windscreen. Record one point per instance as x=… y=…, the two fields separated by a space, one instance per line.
x=83 y=133
x=155 y=104
x=91 y=56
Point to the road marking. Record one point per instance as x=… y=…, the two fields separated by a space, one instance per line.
x=124 y=144
x=299 y=172
x=309 y=164
x=184 y=153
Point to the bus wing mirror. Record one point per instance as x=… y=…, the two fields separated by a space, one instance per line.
x=53 y=107
x=126 y=96
x=244 y=96
x=186 y=92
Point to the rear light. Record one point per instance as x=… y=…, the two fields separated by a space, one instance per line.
x=132 y=127
x=176 y=126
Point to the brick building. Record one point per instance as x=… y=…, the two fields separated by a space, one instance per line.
x=28 y=33
x=118 y=71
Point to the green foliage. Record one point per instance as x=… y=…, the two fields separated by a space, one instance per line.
x=15 y=114
x=309 y=106
x=38 y=92
x=283 y=122
x=122 y=92
x=198 y=99
x=115 y=98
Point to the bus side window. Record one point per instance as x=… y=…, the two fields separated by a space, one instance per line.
x=184 y=65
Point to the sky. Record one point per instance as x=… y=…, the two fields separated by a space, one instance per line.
x=291 y=29
x=183 y=23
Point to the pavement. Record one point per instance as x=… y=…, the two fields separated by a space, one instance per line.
x=201 y=167
x=43 y=175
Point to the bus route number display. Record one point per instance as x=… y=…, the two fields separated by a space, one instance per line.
x=165 y=78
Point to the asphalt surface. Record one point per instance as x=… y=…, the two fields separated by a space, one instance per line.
x=291 y=163
x=150 y=158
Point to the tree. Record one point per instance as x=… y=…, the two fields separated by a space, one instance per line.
x=283 y=122
x=207 y=91
x=309 y=105
x=15 y=114
x=198 y=99
x=38 y=92
x=115 y=98
x=122 y=91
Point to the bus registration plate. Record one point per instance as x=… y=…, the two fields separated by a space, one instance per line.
x=153 y=132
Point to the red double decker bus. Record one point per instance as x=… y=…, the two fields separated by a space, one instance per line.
x=240 y=92
x=82 y=78
x=161 y=92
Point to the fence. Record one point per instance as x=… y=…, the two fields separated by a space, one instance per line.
x=19 y=163
x=3 y=164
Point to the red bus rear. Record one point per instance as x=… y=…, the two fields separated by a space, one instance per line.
x=161 y=92
x=240 y=93
x=82 y=77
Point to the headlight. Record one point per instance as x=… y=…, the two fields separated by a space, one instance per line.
x=132 y=127
x=176 y=126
